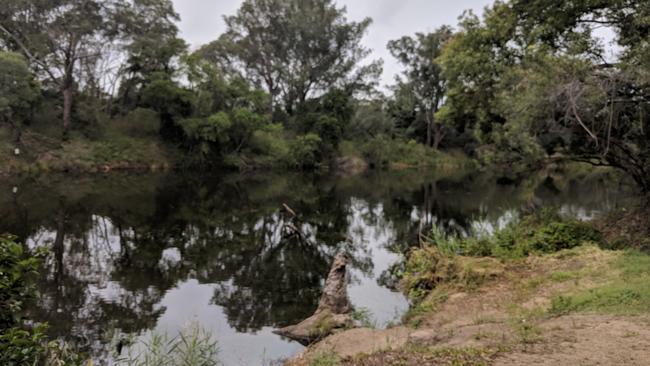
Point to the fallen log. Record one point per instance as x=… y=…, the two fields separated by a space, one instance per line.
x=334 y=309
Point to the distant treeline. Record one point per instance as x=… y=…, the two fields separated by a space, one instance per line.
x=289 y=81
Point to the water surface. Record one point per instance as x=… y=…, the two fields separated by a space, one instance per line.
x=135 y=253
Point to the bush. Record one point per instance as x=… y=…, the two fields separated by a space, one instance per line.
x=543 y=232
x=563 y=235
x=305 y=151
x=21 y=344
x=15 y=267
x=142 y=122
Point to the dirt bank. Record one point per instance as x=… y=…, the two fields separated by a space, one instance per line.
x=537 y=311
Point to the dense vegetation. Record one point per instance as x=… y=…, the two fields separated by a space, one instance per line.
x=110 y=83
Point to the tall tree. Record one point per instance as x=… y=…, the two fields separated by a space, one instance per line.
x=18 y=89
x=296 y=49
x=55 y=35
x=153 y=47
x=532 y=74
x=423 y=75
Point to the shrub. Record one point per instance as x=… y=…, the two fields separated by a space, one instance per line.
x=305 y=151
x=142 y=122
x=563 y=235
x=19 y=344
x=543 y=232
x=15 y=267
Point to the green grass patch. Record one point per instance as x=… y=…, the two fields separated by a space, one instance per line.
x=564 y=276
x=325 y=359
x=626 y=293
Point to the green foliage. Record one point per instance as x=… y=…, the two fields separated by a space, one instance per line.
x=15 y=268
x=295 y=49
x=628 y=294
x=563 y=235
x=325 y=359
x=193 y=347
x=530 y=80
x=363 y=316
x=429 y=267
x=305 y=151
x=18 y=89
x=22 y=347
x=21 y=344
x=543 y=232
x=370 y=119
x=424 y=85
x=139 y=123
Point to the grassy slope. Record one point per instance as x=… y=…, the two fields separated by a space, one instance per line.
x=113 y=151
x=580 y=304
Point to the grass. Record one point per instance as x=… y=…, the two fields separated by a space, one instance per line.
x=113 y=150
x=626 y=292
x=325 y=359
x=414 y=354
x=191 y=347
x=363 y=316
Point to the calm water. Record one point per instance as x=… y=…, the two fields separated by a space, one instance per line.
x=130 y=254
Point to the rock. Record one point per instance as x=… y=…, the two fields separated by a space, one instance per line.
x=334 y=309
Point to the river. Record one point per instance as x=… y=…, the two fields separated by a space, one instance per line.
x=134 y=253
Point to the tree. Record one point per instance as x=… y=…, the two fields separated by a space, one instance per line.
x=296 y=49
x=472 y=63
x=153 y=48
x=18 y=89
x=423 y=76
x=55 y=35
x=532 y=74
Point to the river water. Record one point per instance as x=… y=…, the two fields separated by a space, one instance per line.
x=131 y=254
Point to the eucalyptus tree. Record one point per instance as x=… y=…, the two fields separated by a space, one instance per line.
x=18 y=89
x=296 y=49
x=423 y=77
x=55 y=35
x=152 y=46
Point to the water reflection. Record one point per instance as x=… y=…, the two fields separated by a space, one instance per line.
x=134 y=253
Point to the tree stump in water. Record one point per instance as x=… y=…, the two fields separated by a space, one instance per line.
x=334 y=309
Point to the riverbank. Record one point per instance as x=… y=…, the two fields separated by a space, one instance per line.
x=547 y=292
x=118 y=151
x=39 y=153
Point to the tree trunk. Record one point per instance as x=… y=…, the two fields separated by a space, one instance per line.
x=429 y=129
x=67 y=88
x=439 y=134
x=67 y=109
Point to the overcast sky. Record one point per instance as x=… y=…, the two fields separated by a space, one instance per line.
x=202 y=20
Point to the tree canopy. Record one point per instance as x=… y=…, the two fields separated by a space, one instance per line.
x=296 y=49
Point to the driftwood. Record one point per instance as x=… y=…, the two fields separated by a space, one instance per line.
x=334 y=309
x=289 y=228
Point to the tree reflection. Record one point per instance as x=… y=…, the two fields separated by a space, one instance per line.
x=108 y=235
